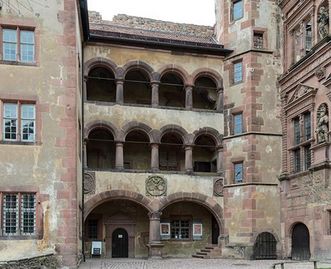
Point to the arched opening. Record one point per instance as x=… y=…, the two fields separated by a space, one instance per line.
x=187 y=223
x=265 y=247
x=204 y=154
x=172 y=153
x=137 y=151
x=300 y=242
x=100 y=149
x=121 y=225
x=204 y=93
x=137 y=88
x=171 y=90
x=100 y=85
x=120 y=243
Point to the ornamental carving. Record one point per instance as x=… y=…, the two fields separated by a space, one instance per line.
x=218 y=186
x=300 y=91
x=322 y=129
x=320 y=73
x=323 y=22
x=89 y=182
x=156 y=186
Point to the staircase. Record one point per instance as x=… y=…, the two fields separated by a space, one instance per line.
x=209 y=252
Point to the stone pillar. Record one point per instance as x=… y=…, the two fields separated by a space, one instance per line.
x=155 y=246
x=188 y=159
x=188 y=97
x=119 y=91
x=219 y=101
x=155 y=94
x=155 y=157
x=119 y=161
x=219 y=160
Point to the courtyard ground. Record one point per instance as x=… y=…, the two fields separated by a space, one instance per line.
x=191 y=264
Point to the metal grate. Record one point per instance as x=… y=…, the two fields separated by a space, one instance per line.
x=10 y=214
x=28 y=214
x=265 y=247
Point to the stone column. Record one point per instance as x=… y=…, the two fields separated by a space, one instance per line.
x=155 y=246
x=155 y=94
x=188 y=97
x=219 y=101
x=220 y=160
x=119 y=161
x=155 y=157
x=188 y=159
x=119 y=91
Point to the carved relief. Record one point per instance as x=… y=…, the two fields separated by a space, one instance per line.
x=89 y=182
x=323 y=22
x=322 y=128
x=156 y=186
x=300 y=91
x=218 y=186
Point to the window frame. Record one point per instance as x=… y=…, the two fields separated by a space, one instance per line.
x=190 y=227
x=20 y=234
x=234 y=63
x=233 y=5
x=262 y=41
x=19 y=121
x=18 y=57
x=234 y=117
x=235 y=180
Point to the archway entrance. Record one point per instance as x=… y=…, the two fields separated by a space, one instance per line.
x=265 y=247
x=120 y=243
x=300 y=242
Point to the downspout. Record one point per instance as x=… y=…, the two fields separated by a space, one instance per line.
x=82 y=151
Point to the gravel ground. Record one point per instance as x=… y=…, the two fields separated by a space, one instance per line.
x=191 y=264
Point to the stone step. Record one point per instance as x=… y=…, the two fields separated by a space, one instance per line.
x=202 y=253
x=198 y=256
x=206 y=250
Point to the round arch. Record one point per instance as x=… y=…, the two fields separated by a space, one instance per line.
x=178 y=70
x=213 y=133
x=139 y=65
x=134 y=125
x=97 y=124
x=106 y=196
x=100 y=62
x=207 y=202
x=173 y=128
x=210 y=73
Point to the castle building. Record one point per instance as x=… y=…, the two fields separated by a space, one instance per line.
x=144 y=138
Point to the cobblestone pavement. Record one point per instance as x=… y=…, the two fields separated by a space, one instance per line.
x=189 y=264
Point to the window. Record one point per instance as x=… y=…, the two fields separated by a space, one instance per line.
x=237 y=72
x=297 y=160
x=19 y=214
x=92 y=229
x=180 y=229
x=237 y=9
x=308 y=36
x=329 y=222
x=18 y=45
x=237 y=123
x=238 y=172
x=19 y=122
x=307 y=155
x=296 y=126
x=258 y=40
x=307 y=125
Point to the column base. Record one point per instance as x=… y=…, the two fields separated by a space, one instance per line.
x=155 y=250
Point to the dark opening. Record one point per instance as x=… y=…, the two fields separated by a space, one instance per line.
x=204 y=154
x=171 y=91
x=137 y=152
x=204 y=94
x=137 y=89
x=300 y=242
x=265 y=247
x=172 y=154
x=100 y=85
x=100 y=150
x=120 y=244
x=215 y=232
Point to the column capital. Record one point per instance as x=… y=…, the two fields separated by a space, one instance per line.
x=119 y=80
x=156 y=215
x=188 y=87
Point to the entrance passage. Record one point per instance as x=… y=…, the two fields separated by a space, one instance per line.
x=300 y=242
x=265 y=247
x=120 y=244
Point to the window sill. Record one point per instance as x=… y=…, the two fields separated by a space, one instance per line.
x=18 y=63
x=302 y=144
x=236 y=83
x=19 y=143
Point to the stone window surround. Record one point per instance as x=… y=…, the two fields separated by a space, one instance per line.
x=21 y=99
x=232 y=19
x=155 y=140
x=231 y=73
x=264 y=32
x=23 y=24
x=39 y=214
x=231 y=177
x=154 y=78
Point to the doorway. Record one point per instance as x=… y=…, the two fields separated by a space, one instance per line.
x=215 y=231
x=265 y=247
x=300 y=242
x=120 y=243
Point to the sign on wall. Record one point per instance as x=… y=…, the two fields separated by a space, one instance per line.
x=165 y=230
x=96 y=248
x=197 y=230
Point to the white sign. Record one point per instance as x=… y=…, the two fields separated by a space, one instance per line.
x=96 y=248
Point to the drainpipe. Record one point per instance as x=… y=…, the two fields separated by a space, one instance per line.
x=82 y=153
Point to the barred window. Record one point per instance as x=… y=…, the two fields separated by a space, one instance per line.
x=307 y=154
x=19 y=214
x=258 y=40
x=92 y=229
x=296 y=125
x=180 y=229
x=308 y=36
